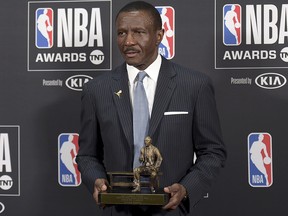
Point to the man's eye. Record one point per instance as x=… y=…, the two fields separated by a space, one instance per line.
x=121 y=33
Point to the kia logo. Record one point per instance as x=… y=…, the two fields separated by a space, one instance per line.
x=76 y=82
x=270 y=80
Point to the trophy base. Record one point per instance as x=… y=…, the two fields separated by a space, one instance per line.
x=125 y=196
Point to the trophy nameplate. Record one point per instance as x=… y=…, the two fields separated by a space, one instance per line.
x=126 y=197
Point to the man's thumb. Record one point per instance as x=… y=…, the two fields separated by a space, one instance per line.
x=104 y=187
x=166 y=190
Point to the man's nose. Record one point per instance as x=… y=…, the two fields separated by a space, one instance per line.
x=130 y=40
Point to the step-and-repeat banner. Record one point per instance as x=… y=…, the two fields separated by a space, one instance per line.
x=49 y=49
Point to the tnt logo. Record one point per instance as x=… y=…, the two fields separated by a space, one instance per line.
x=284 y=54
x=97 y=57
x=167 y=46
x=44 y=28
x=260 y=159
x=232 y=24
x=68 y=174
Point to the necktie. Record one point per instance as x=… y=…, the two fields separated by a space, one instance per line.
x=140 y=117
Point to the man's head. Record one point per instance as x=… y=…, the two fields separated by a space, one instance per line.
x=260 y=137
x=143 y=6
x=139 y=32
x=148 y=141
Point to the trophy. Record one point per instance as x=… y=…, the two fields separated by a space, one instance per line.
x=140 y=187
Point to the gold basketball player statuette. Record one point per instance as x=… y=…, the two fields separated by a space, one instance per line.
x=151 y=159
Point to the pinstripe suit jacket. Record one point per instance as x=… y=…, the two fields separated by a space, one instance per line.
x=106 y=136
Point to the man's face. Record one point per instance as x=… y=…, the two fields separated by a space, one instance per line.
x=137 y=38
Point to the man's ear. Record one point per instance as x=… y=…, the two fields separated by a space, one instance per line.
x=160 y=34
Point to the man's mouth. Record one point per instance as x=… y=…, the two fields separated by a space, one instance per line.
x=131 y=53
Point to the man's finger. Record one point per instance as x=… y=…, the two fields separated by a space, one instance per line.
x=99 y=186
x=167 y=190
x=172 y=204
x=177 y=193
x=95 y=196
x=170 y=190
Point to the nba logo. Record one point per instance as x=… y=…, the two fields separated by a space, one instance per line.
x=68 y=173
x=260 y=160
x=167 y=46
x=44 y=28
x=232 y=24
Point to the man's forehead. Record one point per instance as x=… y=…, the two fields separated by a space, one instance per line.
x=135 y=16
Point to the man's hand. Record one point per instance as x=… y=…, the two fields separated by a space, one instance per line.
x=177 y=192
x=99 y=186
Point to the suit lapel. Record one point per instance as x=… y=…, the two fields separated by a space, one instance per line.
x=120 y=85
x=164 y=90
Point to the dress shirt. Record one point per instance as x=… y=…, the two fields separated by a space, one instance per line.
x=149 y=81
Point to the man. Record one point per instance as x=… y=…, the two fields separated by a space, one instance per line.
x=151 y=159
x=183 y=119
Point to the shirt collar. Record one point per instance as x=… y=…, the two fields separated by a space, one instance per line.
x=152 y=70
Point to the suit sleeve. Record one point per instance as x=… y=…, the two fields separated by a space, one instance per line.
x=208 y=144
x=90 y=155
